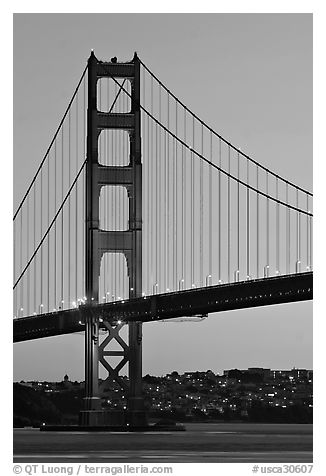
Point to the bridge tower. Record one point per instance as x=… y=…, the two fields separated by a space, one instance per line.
x=98 y=242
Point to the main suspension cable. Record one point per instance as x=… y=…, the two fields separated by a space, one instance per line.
x=223 y=171
x=52 y=142
x=221 y=137
x=50 y=225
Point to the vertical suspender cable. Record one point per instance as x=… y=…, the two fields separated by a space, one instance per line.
x=152 y=190
x=83 y=191
x=164 y=217
x=248 y=224
x=166 y=211
x=76 y=210
x=148 y=222
x=219 y=213
x=201 y=211
x=69 y=201
x=48 y=240
x=143 y=119
x=210 y=214
x=192 y=204
x=159 y=171
x=175 y=197
x=173 y=238
x=41 y=229
x=168 y=197
x=183 y=197
x=14 y=268
x=307 y=239
x=34 y=245
x=229 y=215
x=257 y=239
x=62 y=220
x=238 y=220
x=277 y=231
x=21 y=258
x=310 y=244
x=55 y=225
x=267 y=226
x=298 y=234
x=156 y=208
x=287 y=232
x=27 y=257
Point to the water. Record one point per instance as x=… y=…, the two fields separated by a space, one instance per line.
x=202 y=442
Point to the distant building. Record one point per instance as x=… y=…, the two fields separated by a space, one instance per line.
x=265 y=373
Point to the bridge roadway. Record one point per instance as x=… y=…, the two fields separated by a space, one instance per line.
x=223 y=297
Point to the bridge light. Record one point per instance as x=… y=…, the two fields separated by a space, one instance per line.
x=131 y=289
x=119 y=322
x=155 y=288
x=100 y=319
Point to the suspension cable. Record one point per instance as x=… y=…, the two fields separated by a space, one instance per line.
x=51 y=224
x=50 y=146
x=221 y=137
x=228 y=174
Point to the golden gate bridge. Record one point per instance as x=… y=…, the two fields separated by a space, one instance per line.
x=140 y=211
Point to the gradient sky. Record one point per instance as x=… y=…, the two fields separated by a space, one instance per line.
x=249 y=76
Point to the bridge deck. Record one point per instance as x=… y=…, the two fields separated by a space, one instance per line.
x=225 y=297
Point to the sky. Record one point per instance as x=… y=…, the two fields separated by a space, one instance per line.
x=249 y=76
